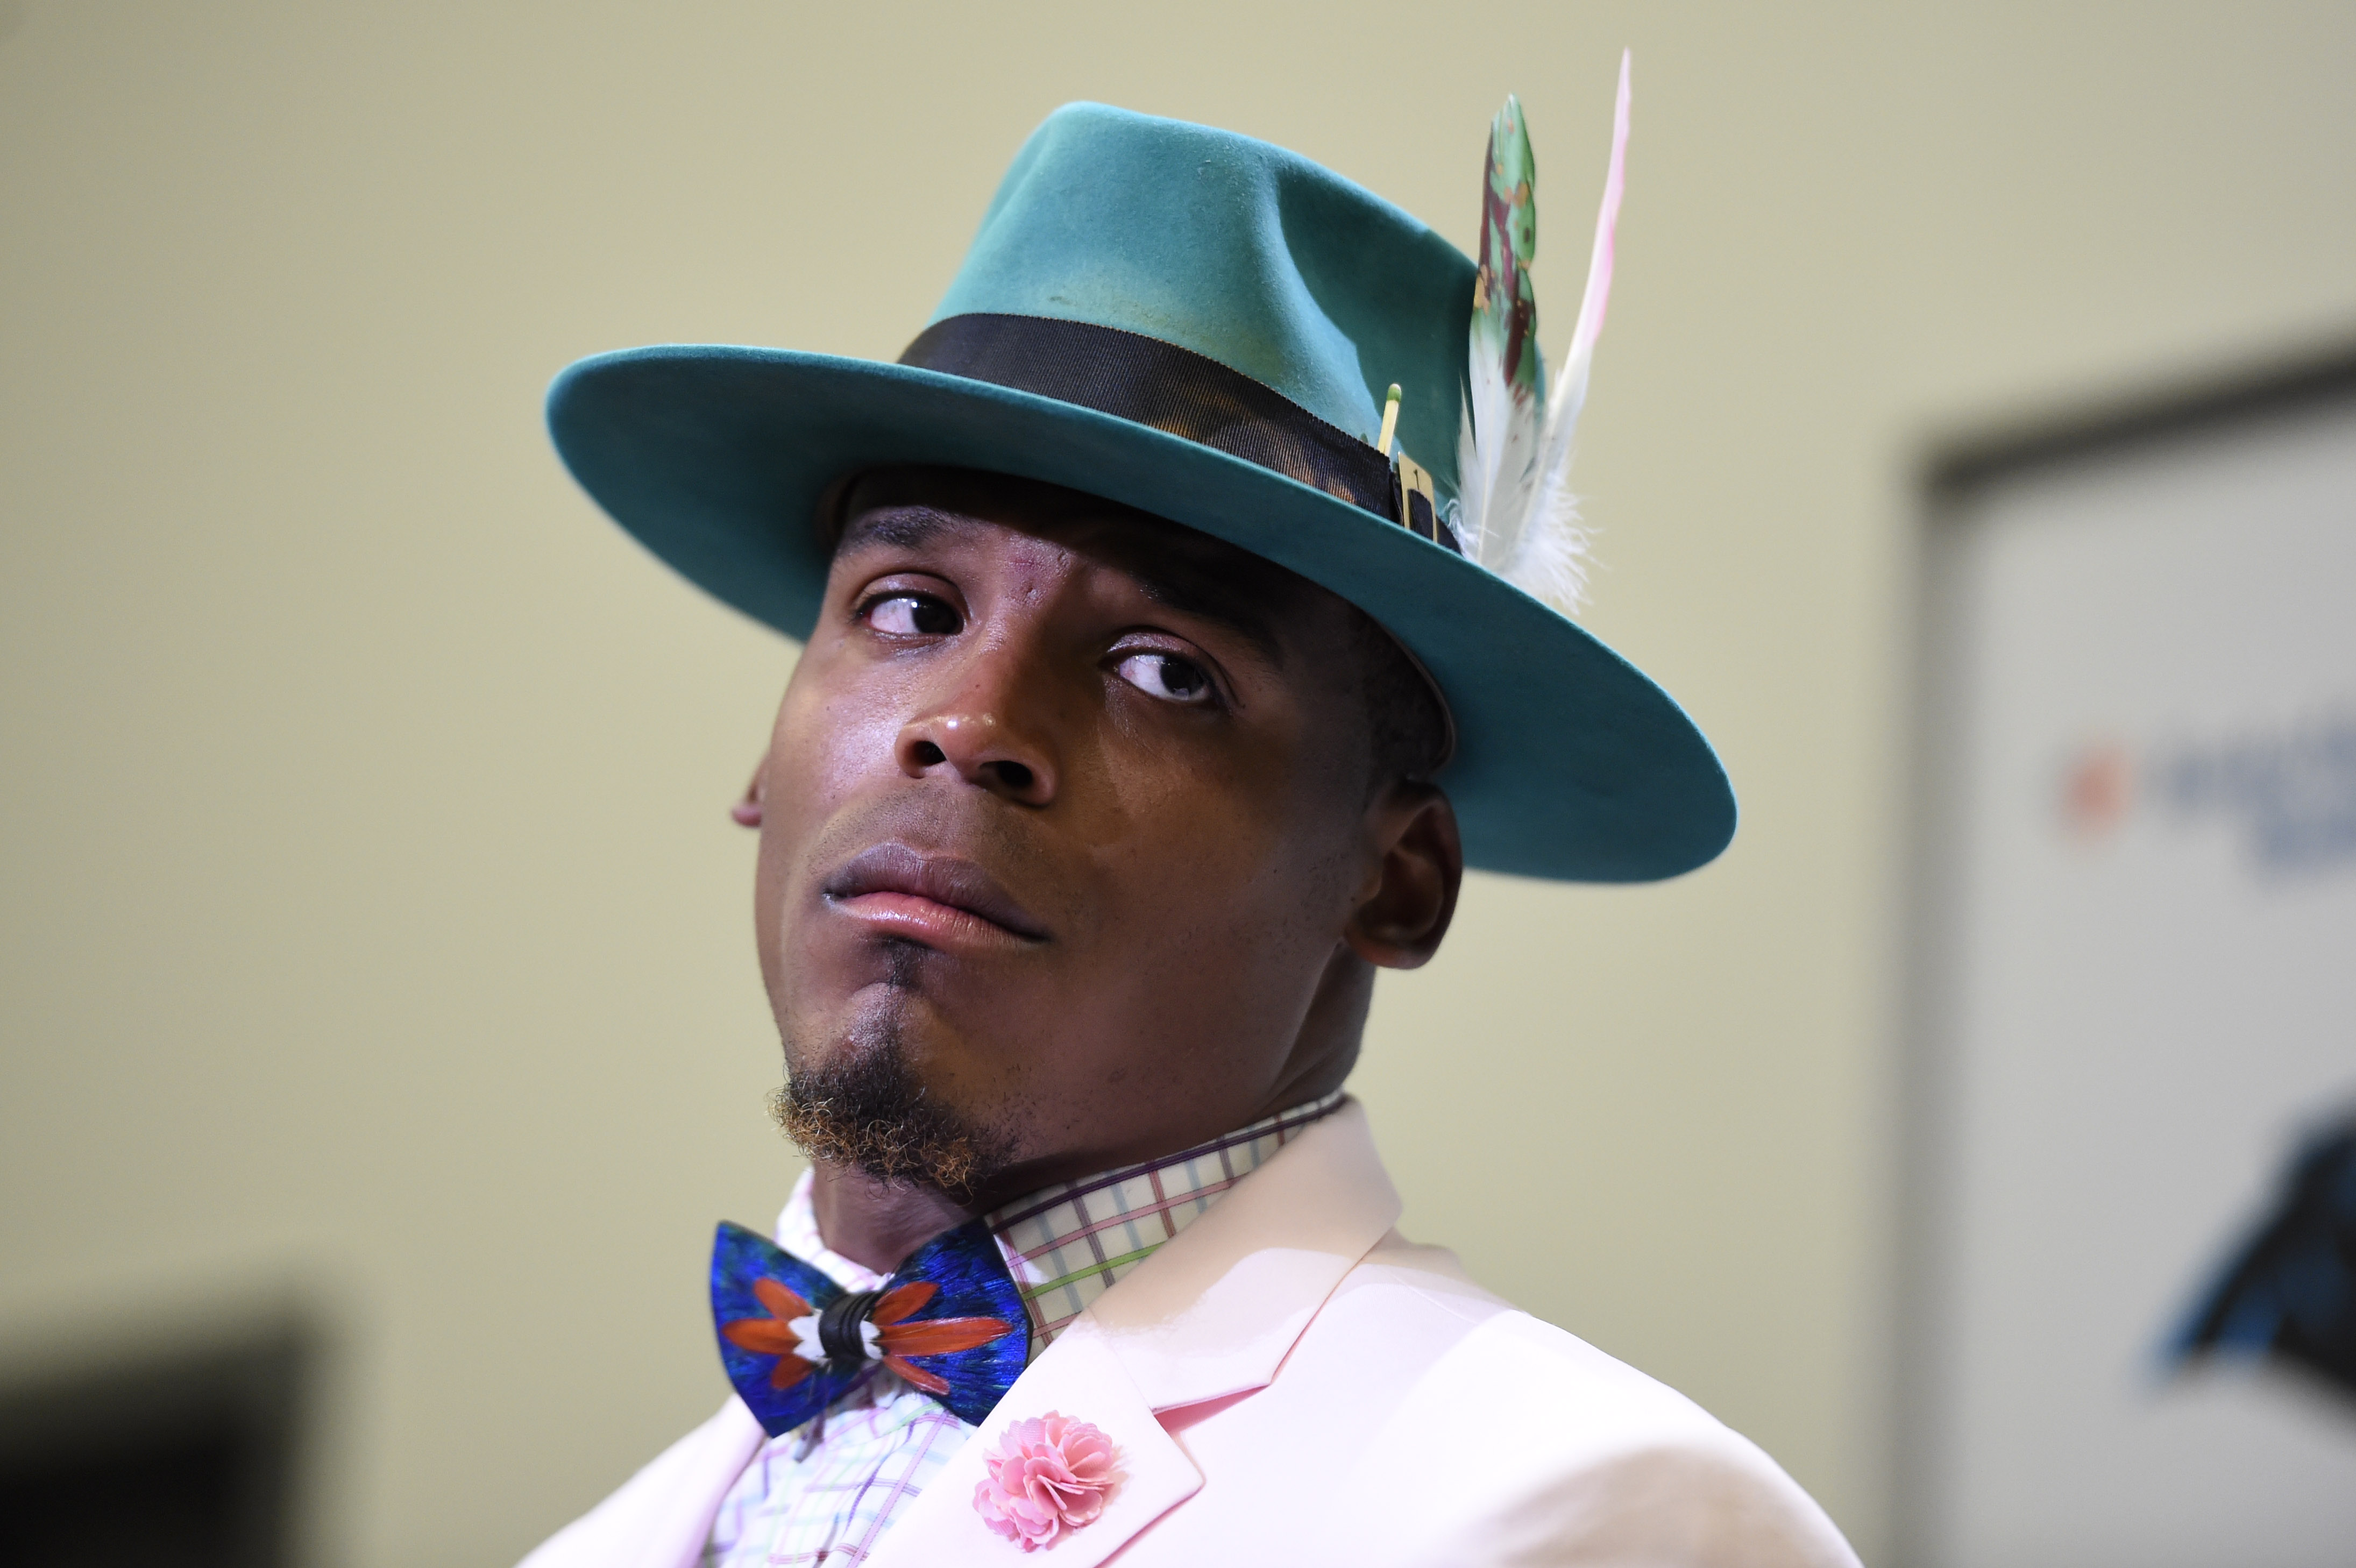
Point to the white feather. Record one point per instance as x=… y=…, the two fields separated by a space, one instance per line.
x=1548 y=560
x=1497 y=448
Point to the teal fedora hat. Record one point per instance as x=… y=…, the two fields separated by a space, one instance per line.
x=1203 y=326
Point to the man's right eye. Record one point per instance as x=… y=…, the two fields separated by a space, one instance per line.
x=912 y=615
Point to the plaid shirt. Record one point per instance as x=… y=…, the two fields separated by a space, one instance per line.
x=825 y=1494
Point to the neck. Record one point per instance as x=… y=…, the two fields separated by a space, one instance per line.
x=877 y=1224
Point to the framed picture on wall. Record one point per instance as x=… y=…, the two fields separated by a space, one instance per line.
x=2128 y=1318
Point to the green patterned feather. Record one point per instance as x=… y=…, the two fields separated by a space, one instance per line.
x=1504 y=310
x=1505 y=379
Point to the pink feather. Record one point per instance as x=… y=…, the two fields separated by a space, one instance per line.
x=1607 y=230
x=1550 y=550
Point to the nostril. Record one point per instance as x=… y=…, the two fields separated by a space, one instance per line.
x=1013 y=775
x=927 y=755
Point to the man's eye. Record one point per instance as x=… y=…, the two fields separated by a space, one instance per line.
x=1167 y=676
x=913 y=614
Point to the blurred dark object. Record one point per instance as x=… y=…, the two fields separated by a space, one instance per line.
x=2291 y=1291
x=167 y=1461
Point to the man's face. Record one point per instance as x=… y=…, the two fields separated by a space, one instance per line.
x=1065 y=823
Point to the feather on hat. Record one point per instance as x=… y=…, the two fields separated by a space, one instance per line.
x=1514 y=512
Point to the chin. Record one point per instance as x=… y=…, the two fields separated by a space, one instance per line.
x=883 y=1024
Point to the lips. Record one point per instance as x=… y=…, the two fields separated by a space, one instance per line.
x=896 y=887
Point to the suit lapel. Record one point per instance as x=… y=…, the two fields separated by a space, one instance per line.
x=1213 y=1313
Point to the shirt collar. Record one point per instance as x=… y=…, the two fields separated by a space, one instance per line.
x=1067 y=1243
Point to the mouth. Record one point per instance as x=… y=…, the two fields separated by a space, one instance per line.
x=936 y=901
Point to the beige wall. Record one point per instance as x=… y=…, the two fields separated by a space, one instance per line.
x=373 y=930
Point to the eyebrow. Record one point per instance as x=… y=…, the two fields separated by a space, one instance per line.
x=1206 y=599
x=1186 y=586
x=894 y=528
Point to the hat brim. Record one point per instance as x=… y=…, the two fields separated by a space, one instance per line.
x=1570 y=763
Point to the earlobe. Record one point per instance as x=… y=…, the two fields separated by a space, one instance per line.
x=1420 y=869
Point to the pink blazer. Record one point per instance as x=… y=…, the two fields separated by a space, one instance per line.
x=1290 y=1381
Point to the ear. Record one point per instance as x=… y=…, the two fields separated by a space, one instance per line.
x=746 y=812
x=1409 y=895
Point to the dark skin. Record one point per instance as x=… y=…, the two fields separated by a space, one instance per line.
x=1075 y=807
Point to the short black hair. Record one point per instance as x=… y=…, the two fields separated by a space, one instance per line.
x=1407 y=727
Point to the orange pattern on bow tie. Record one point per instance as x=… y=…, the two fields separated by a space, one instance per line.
x=895 y=1336
x=770 y=1337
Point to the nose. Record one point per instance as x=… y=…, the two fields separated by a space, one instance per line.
x=980 y=730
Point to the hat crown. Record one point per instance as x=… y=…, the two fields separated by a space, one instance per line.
x=1236 y=250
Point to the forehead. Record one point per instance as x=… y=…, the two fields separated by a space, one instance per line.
x=1171 y=566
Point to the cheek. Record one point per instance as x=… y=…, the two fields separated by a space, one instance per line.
x=820 y=750
x=824 y=744
x=1230 y=874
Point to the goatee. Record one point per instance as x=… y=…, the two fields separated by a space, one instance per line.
x=872 y=1114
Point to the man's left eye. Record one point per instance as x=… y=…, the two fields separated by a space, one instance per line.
x=1167 y=676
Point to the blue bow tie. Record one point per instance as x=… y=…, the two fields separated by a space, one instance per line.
x=948 y=1321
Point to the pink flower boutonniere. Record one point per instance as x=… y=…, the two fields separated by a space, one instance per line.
x=1047 y=1476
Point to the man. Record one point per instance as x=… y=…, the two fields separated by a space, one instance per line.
x=1151 y=702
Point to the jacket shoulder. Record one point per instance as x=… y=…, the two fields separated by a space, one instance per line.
x=659 y=1517
x=1517 y=1434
